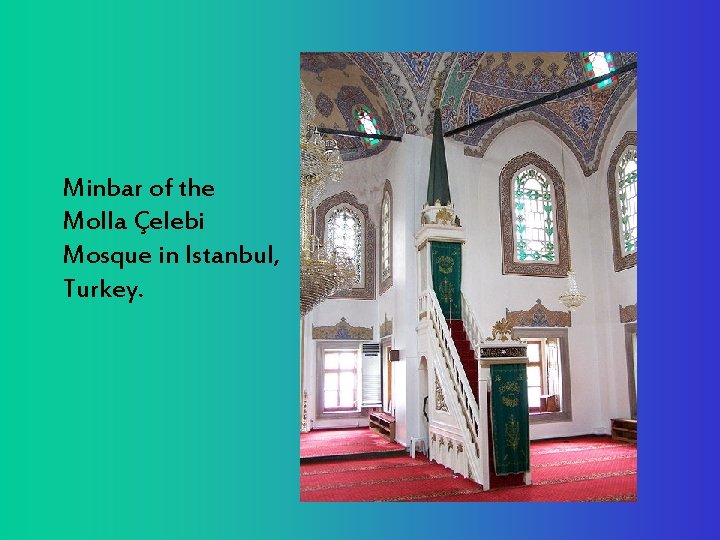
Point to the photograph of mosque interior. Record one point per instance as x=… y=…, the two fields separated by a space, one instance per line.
x=468 y=275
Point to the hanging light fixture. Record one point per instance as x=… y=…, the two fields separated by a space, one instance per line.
x=320 y=160
x=572 y=298
x=323 y=272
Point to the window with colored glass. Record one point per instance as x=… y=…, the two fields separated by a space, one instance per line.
x=345 y=236
x=534 y=217
x=626 y=176
x=598 y=64
x=385 y=238
x=366 y=122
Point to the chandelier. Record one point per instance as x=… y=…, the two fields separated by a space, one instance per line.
x=320 y=162
x=572 y=298
x=323 y=272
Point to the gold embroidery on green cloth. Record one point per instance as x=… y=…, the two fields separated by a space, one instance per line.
x=510 y=394
x=445 y=264
x=446 y=275
x=510 y=421
x=446 y=291
x=512 y=433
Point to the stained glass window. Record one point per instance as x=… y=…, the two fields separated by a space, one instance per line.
x=534 y=217
x=344 y=234
x=627 y=199
x=366 y=122
x=342 y=221
x=597 y=64
x=385 y=238
x=622 y=196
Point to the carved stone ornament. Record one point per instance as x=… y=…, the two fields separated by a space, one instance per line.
x=386 y=327
x=538 y=316
x=628 y=313
x=304 y=424
x=440 y=404
x=507 y=352
x=501 y=331
x=439 y=214
x=342 y=330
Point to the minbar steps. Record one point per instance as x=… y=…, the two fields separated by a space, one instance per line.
x=466 y=353
x=470 y=365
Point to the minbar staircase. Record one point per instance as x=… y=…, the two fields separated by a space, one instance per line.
x=470 y=364
x=466 y=353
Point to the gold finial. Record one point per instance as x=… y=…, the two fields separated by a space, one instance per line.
x=438 y=90
x=502 y=331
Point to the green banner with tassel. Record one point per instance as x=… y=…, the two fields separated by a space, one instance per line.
x=510 y=420
x=446 y=271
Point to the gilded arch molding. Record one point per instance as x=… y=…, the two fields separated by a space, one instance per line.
x=538 y=316
x=342 y=330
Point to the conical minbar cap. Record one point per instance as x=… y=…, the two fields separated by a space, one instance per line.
x=438 y=187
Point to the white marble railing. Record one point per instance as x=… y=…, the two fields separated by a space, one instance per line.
x=451 y=371
x=472 y=327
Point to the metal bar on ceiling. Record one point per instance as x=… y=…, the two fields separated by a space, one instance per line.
x=331 y=131
x=547 y=97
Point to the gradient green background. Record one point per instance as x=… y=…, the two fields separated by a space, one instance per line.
x=177 y=417
x=157 y=419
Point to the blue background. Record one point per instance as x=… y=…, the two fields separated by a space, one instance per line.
x=178 y=417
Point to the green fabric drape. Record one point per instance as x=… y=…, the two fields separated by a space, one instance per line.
x=510 y=420
x=446 y=272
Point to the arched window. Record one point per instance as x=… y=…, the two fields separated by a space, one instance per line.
x=626 y=176
x=343 y=223
x=533 y=218
x=366 y=122
x=597 y=64
x=622 y=194
x=386 y=238
x=344 y=233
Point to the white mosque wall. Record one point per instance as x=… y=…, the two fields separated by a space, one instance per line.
x=596 y=338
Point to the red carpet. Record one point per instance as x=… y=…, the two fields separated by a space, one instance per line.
x=344 y=442
x=579 y=469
